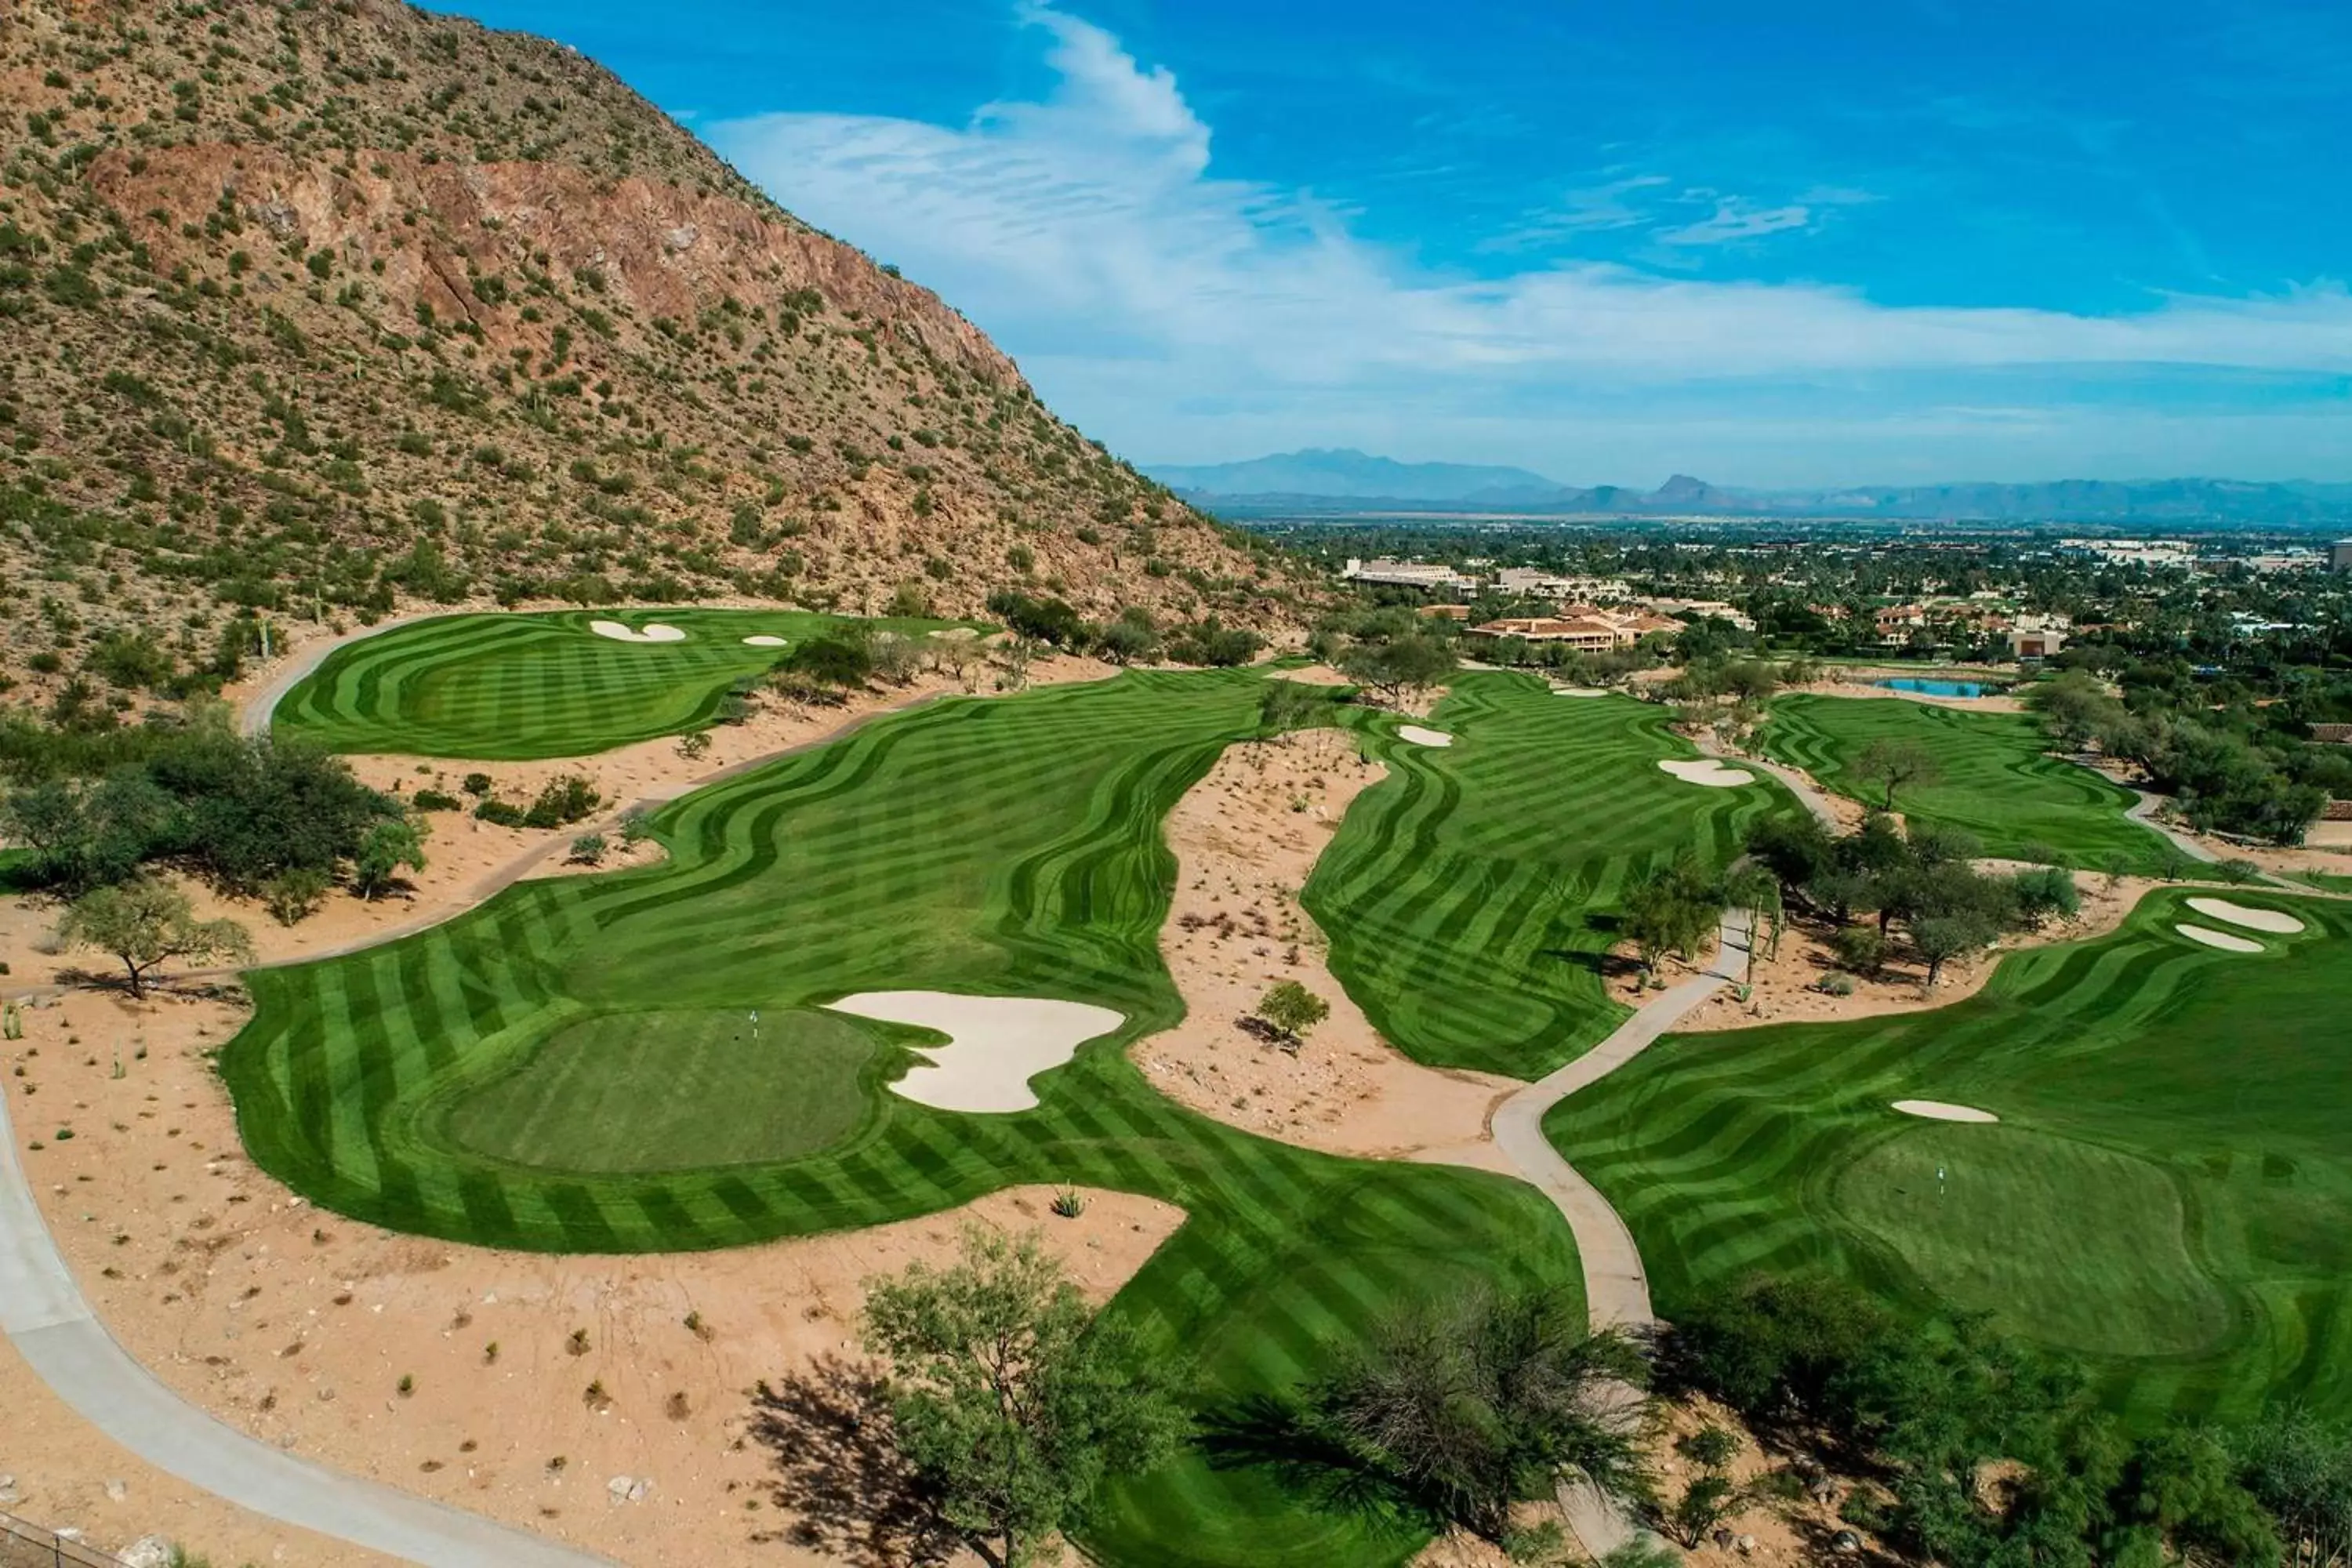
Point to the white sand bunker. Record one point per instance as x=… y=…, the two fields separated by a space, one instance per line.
x=1578 y=691
x=1705 y=771
x=1421 y=737
x=2274 y=921
x=1940 y=1110
x=763 y=640
x=619 y=633
x=2223 y=939
x=995 y=1043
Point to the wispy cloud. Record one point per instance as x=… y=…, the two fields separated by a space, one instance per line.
x=1164 y=303
x=1734 y=220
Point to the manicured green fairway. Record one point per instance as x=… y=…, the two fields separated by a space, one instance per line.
x=2167 y=1194
x=1998 y=781
x=1470 y=896
x=1009 y=846
x=674 y=1091
x=508 y=687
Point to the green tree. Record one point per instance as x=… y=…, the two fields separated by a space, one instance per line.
x=388 y=847
x=836 y=659
x=1397 y=667
x=1009 y=1398
x=1292 y=1008
x=1896 y=764
x=1671 y=910
x=1130 y=639
x=2074 y=706
x=293 y=894
x=1284 y=706
x=147 y=923
x=1942 y=938
x=1710 y=1495
x=2299 y=1467
x=1468 y=1403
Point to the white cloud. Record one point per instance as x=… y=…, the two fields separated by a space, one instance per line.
x=1734 y=220
x=1164 y=305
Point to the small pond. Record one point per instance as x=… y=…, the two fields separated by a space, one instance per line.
x=1939 y=687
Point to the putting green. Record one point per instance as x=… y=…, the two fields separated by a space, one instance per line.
x=1008 y=846
x=2168 y=1194
x=1998 y=780
x=634 y=1092
x=1471 y=896
x=1979 y=1211
x=508 y=687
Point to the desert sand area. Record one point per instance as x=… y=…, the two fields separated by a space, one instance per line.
x=62 y=1471
x=1784 y=988
x=451 y=1370
x=1245 y=838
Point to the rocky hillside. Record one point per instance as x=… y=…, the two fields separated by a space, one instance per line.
x=319 y=308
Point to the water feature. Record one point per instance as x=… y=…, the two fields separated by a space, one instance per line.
x=1938 y=687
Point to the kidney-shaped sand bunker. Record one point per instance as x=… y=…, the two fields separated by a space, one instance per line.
x=995 y=1043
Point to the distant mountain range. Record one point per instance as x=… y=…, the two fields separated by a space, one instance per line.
x=1344 y=480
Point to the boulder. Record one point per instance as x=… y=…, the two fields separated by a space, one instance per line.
x=148 y=1551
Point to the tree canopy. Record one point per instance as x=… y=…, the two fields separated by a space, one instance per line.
x=1009 y=1398
x=146 y=923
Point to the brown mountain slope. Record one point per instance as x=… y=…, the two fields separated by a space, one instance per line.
x=324 y=306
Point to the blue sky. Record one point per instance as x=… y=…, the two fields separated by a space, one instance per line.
x=1812 y=243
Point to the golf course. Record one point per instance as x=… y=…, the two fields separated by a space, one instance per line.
x=700 y=1053
x=574 y=1067
x=1994 y=777
x=514 y=688
x=1470 y=898
x=2167 y=1193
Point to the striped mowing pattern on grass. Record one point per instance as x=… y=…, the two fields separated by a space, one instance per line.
x=1998 y=781
x=2167 y=1194
x=1470 y=896
x=515 y=687
x=1011 y=846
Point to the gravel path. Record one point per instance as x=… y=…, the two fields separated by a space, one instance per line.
x=47 y=1317
x=1616 y=1288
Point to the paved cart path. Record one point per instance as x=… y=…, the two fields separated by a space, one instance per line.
x=1616 y=1288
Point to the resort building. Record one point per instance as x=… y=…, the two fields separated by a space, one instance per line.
x=1430 y=577
x=1590 y=635
x=1530 y=582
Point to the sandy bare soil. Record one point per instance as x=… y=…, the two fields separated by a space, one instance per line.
x=1245 y=838
x=298 y=1326
x=1783 y=988
x=63 y=1475
x=1780 y=1532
